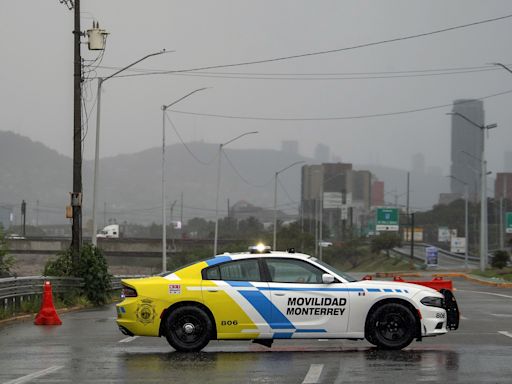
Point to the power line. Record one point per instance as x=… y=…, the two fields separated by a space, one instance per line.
x=242 y=177
x=367 y=116
x=317 y=53
x=185 y=144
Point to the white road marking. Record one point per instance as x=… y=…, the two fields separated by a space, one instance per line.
x=464 y=318
x=487 y=293
x=129 y=339
x=313 y=375
x=505 y=333
x=35 y=375
x=501 y=314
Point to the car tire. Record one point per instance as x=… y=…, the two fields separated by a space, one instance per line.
x=391 y=326
x=188 y=329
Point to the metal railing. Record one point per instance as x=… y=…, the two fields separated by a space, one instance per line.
x=16 y=290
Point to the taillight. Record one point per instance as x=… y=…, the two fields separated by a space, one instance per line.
x=128 y=292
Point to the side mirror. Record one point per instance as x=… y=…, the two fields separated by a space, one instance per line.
x=327 y=279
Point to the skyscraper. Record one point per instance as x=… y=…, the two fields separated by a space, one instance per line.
x=467 y=146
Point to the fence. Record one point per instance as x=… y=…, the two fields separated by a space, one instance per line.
x=16 y=290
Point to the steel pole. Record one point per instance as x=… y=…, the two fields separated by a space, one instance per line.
x=275 y=213
x=164 y=224
x=94 y=240
x=483 y=204
x=217 y=203
x=466 y=225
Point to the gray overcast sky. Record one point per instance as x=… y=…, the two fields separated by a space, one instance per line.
x=36 y=73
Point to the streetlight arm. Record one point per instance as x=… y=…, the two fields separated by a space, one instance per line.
x=164 y=107
x=238 y=137
x=502 y=66
x=136 y=62
x=482 y=127
x=291 y=165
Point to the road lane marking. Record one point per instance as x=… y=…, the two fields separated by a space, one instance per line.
x=129 y=339
x=505 y=333
x=464 y=318
x=501 y=314
x=313 y=375
x=487 y=293
x=35 y=375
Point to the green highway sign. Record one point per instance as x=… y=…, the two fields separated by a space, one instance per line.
x=387 y=219
x=509 y=222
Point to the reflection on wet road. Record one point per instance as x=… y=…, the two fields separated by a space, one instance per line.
x=88 y=348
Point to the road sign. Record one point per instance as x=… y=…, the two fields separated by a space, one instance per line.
x=509 y=222
x=431 y=256
x=332 y=200
x=387 y=219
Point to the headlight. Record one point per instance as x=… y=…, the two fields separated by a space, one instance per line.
x=431 y=301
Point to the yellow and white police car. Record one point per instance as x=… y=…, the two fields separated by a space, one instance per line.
x=263 y=295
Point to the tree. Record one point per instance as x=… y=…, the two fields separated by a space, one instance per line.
x=385 y=241
x=500 y=259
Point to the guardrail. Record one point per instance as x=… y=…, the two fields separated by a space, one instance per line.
x=16 y=290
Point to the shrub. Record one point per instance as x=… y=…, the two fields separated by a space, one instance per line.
x=92 y=268
x=500 y=259
x=385 y=241
x=6 y=261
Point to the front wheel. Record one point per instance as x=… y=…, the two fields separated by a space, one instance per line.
x=188 y=329
x=391 y=326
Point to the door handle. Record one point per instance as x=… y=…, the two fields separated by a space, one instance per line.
x=212 y=290
x=279 y=294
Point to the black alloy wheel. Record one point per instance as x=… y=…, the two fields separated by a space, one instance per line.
x=391 y=326
x=188 y=329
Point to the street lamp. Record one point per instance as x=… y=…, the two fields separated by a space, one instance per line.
x=483 y=190
x=218 y=188
x=101 y=80
x=164 y=224
x=275 y=200
x=466 y=222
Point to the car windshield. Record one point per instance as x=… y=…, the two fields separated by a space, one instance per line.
x=346 y=276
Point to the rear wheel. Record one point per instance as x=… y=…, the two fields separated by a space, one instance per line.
x=391 y=326
x=188 y=329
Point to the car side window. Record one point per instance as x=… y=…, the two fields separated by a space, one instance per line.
x=293 y=271
x=239 y=270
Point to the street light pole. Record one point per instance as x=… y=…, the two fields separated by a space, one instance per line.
x=466 y=218
x=215 y=241
x=164 y=223
x=483 y=191
x=97 y=146
x=274 y=244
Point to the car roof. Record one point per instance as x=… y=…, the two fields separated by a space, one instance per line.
x=244 y=255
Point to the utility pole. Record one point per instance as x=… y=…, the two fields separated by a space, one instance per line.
x=76 y=204
x=24 y=217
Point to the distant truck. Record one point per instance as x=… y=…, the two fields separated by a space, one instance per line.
x=109 y=232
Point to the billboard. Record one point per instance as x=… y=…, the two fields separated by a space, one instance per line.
x=418 y=234
x=387 y=219
x=443 y=234
x=509 y=222
x=458 y=245
x=332 y=200
x=431 y=257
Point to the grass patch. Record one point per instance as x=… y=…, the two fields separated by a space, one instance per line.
x=505 y=273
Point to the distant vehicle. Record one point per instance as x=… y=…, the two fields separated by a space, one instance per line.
x=109 y=232
x=263 y=295
x=325 y=244
x=14 y=236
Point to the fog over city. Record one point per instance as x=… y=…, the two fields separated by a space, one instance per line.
x=358 y=101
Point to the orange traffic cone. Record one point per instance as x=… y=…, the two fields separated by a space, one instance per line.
x=47 y=315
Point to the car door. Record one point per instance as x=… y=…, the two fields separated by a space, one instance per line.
x=233 y=292
x=303 y=305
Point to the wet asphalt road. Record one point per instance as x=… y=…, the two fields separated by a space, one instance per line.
x=88 y=348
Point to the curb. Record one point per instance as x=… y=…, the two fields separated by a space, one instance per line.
x=31 y=316
x=473 y=279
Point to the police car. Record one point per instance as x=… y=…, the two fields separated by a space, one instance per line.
x=263 y=295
